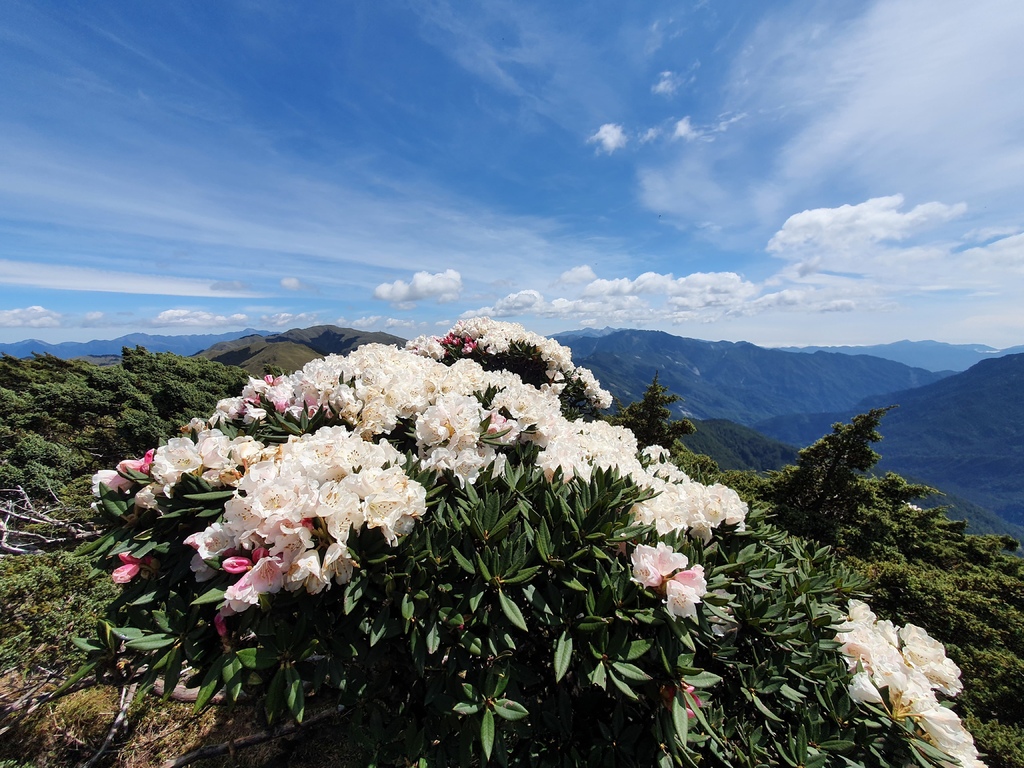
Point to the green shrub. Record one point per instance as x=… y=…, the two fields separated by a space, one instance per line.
x=478 y=578
x=45 y=600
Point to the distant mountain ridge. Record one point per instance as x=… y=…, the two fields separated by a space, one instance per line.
x=930 y=355
x=738 y=381
x=185 y=345
x=292 y=349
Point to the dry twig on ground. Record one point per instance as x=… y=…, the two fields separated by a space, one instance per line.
x=19 y=515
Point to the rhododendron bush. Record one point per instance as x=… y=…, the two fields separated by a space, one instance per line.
x=444 y=540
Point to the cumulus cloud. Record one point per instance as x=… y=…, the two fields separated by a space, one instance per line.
x=513 y=305
x=695 y=291
x=649 y=299
x=442 y=287
x=30 y=317
x=299 y=320
x=668 y=83
x=190 y=317
x=576 y=275
x=851 y=226
x=609 y=137
x=684 y=130
x=361 y=323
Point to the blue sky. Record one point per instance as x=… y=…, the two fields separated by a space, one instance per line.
x=782 y=173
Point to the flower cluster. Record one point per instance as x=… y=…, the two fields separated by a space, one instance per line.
x=289 y=522
x=901 y=669
x=482 y=337
x=663 y=569
x=296 y=503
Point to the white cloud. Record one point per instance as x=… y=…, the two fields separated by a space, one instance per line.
x=694 y=291
x=69 y=278
x=684 y=130
x=189 y=317
x=361 y=323
x=580 y=274
x=650 y=135
x=30 y=317
x=851 y=227
x=443 y=287
x=282 y=319
x=984 y=234
x=1006 y=253
x=668 y=83
x=513 y=305
x=292 y=284
x=610 y=137
x=909 y=94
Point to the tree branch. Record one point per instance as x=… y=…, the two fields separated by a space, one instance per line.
x=127 y=695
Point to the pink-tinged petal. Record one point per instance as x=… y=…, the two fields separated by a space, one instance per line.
x=129 y=559
x=645 y=566
x=125 y=573
x=259 y=553
x=693 y=578
x=236 y=564
x=267 y=575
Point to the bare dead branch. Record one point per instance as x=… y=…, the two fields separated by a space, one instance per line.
x=18 y=513
x=127 y=695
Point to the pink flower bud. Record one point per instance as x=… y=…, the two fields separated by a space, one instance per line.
x=128 y=571
x=236 y=564
x=221 y=625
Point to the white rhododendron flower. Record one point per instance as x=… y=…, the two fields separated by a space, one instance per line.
x=180 y=456
x=901 y=669
x=652 y=565
x=684 y=591
x=928 y=656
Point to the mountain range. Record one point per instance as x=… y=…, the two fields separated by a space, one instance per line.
x=930 y=355
x=180 y=345
x=738 y=381
x=963 y=434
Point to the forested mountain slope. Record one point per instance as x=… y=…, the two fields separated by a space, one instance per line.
x=963 y=434
x=291 y=350
x=738 y=381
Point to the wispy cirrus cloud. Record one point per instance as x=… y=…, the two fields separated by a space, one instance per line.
x=71 y=278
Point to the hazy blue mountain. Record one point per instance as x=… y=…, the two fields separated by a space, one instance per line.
x=930 y=355
x=738 y=381
x=587 y=333
x=179 y=345
x=963 y=434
